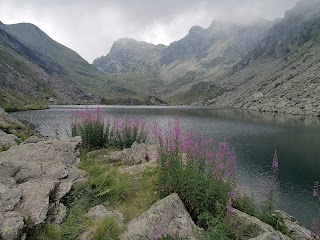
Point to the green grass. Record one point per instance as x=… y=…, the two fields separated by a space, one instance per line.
x=103 y=183
x=106 y=229
x=143 y=192
x=130 y=194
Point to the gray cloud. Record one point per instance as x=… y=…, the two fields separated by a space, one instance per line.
x=91 y=27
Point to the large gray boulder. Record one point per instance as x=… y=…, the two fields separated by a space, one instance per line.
x=7 y=121
x=100 y=212
x=137 y=154
x=7 y=140
x=137 y=169
x=33 y=179
x=168 y=216
x=297 y=231
x=250 y=226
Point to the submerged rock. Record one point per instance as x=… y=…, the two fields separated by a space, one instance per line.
x=168 y=216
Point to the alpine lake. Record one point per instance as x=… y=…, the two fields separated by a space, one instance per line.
x=255 y=136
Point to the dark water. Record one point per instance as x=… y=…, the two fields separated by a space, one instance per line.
x=255 y=136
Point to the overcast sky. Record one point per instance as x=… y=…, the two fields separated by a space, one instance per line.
x=91 y=26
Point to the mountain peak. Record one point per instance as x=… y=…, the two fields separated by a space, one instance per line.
x=129 y=44
x=196 y=30
x=126 y=41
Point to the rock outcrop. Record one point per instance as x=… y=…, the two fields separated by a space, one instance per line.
x=100 y=212
x=7 y=121
x=7 y=140
x=297 y=231
x=250 y=226
x=254 y=229
x=137 y=154
x=33 y=179
x=276 y=235
x=168 y=216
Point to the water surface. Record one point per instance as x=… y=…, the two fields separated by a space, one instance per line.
x=254 y=135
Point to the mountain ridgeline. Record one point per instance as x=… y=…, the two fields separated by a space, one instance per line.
x=264 y=65
x=36 y=71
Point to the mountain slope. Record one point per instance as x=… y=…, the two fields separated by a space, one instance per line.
x=36 y=70
x=281 y=74
x=265 y=66
x=202 y=53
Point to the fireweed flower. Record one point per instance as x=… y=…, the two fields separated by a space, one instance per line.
x=275 y=162
x=158 y=233
x=233 y=195
x=315 y=191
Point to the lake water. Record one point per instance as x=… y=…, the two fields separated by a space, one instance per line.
x=254 y=136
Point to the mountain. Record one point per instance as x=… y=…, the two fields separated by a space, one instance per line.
x=264 y=66
x=128 y=55
x=35 y=71
x=202 y=53
x=281 y=73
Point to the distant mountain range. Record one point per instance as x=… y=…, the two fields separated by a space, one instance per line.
x=264 y=66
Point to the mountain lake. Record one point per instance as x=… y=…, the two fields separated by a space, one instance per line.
x=253 y=135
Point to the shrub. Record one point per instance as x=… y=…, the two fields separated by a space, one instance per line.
x=201 y=177
x=98 y=132
x=102 y=184
x=91 y=127
x=124 y=133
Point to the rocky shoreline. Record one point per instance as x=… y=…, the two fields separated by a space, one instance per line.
x=37 y=174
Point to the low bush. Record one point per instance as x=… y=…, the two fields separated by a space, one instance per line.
x=98 y=132
x=124 y=133
x=91 y=127
x=203 y=178
x=102 y=184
